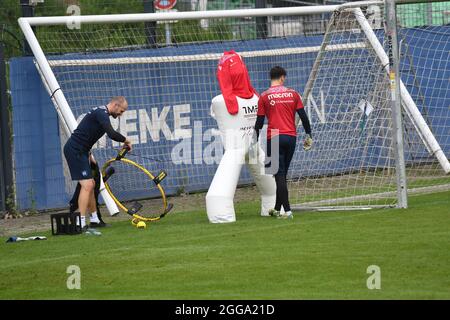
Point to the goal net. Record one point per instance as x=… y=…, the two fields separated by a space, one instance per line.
x=348 y=95
x=168 y=75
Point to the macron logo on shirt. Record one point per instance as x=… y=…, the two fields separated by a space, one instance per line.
x=280 y=95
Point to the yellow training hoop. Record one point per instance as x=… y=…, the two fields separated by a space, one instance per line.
x=148 y=173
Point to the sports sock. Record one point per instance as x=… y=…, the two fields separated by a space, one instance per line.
x=278 y=202
x=94 y=217
x=282 y=191
x=83 y=221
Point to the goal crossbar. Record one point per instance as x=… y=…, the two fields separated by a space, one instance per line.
x=192 y=15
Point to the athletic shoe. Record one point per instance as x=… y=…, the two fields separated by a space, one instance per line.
x=91 y=231
x=274 y=213
x=285 y=216
x=100 y=224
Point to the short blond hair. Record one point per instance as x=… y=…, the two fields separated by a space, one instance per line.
x=119 y=100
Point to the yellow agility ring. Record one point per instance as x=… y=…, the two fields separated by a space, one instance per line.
x=152 y=216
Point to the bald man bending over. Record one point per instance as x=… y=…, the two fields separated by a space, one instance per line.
x=77 y=151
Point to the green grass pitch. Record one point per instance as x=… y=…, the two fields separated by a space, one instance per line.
x=314 y=256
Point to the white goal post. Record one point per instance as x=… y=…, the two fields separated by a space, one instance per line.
x=355 y=170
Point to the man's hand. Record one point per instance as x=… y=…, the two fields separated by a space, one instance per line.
x=307 y=144
x=91 y=159
x=127 y=144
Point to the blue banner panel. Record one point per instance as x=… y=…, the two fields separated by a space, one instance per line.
x=37 y=154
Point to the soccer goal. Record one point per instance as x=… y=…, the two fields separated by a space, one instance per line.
x=337 y=56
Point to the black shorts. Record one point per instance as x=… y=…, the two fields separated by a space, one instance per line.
x=286 y=149
x=78 y=162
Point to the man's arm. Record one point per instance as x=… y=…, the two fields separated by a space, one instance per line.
x=113 y=134
x=261 y=115
x=305 y=120
x=258 y=125
x=307 y=144
x=116 y=136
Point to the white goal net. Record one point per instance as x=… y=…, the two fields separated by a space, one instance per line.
x=348 y=96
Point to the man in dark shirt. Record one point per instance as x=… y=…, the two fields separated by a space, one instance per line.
x=77 y=150
x=279 y=104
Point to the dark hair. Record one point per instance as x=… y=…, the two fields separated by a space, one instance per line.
x=277 y=72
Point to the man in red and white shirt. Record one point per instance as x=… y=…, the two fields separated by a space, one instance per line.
x=279 y=104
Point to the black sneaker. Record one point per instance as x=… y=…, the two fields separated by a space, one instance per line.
x=100 y=224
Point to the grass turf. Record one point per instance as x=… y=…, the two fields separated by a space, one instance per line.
x=314 y=256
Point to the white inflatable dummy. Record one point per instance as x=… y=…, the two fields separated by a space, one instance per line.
x=241 y=147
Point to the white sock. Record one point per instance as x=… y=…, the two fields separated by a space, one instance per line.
x=83 y=221
x=94 y=218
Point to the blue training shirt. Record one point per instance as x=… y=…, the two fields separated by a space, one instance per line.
x=92 y=127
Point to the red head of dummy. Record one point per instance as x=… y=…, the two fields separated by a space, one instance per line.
x=233 y=80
